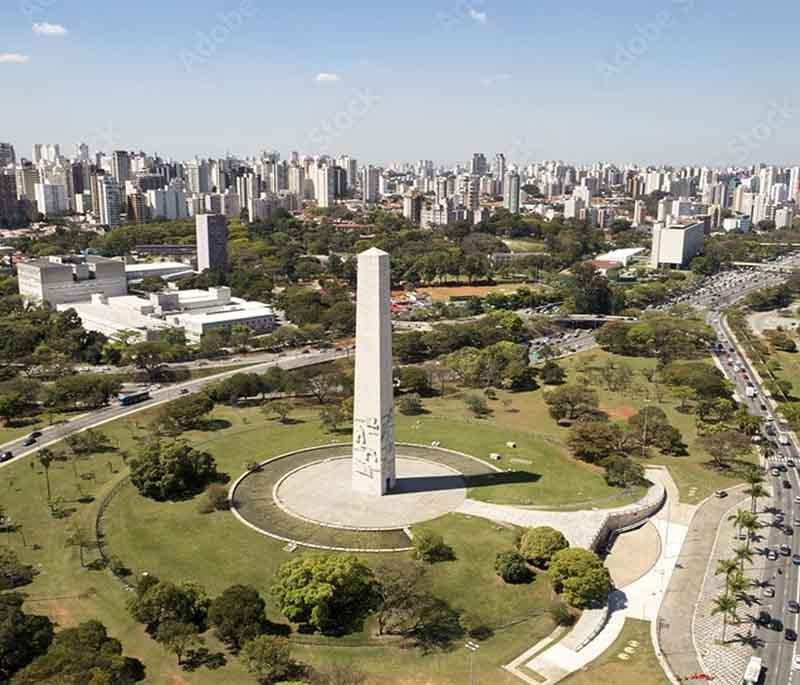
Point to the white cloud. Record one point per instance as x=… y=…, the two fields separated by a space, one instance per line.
x=13 y=58
x=45 y=29
x=326 y=77
x=477 y=15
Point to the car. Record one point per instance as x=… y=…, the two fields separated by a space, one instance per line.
x=796 y=662
x=775 y=471
x=764 y=618
x=793 y=607
x=797 y=499
x=790 y=463
x=790 y=635
x=183 y=391
x=776 y=624
x=6 y=456
x=36 y=434
x=796 y=559
x=772 y=555
x=721 y=494
x=787 y=485
x=786 y=550
x=28 y=442
x=788 y=530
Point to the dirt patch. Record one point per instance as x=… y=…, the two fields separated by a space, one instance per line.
x=623 y=412
x=444 y=293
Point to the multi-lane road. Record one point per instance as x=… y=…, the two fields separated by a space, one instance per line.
x=97 y=418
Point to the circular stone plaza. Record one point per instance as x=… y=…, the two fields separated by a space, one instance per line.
x=307 y=498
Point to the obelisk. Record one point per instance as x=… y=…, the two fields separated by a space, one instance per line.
x=374 y=470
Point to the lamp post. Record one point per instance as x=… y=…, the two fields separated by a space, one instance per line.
x=471 y=647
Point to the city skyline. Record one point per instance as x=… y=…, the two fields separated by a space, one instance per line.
x=631 y=84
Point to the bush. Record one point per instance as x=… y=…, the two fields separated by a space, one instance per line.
x=410 y=405
x=172 y=471
x=580 y=575
x=552 y=373
x=511 y=567
x=621 y=472
x=561 y=614
x=474 y=626
x=268 y=658
x=217 y=496
x=477 y=405
x=539 y=545
x=13 y=573
x=430 y=547
x=238 y=615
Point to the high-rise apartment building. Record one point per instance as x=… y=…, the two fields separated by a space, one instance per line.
x=121 y=167
x=511 y=195
x=109 y=201
x=51 y=199
x=412 y=208
x=8 y=198
x=212 y=242
x=370 y=184
x=7 y=155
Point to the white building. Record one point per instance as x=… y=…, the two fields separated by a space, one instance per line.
x=784 y=216
x=109 y=201
x=51 y=199
x=197 y=312
x=675 y=244
x=59 y=280
x=740 y=223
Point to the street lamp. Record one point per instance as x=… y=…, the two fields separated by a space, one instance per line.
x=471 y=648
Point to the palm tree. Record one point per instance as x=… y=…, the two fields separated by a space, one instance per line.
x=737 y=584
x=45 y=457
x=751 y=525
x=756 y=492
x=742 y=554
x=739 y=518
x=726 y=567
x=727 y=606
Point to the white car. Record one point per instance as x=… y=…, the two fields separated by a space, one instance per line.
x=796 y=662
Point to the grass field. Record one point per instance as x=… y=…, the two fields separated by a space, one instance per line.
x=521 y=245
x=641 y=668
x=444 y=293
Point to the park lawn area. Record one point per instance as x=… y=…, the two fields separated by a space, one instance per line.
x=790 y=369
x=196 y=373
x=642 y=668
x=528 y=413
x=32 y=423
x=445 y=293
x=175 y=541
x=522 y=245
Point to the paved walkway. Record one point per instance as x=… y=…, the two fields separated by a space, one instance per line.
x=640 y=599
x=677 y=610
x=726 y=661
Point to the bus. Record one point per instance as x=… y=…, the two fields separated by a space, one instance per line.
x=752 y=674
x=129 y=398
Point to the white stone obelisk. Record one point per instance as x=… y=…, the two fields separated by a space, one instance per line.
x=374 y=470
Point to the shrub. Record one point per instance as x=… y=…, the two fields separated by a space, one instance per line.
x=410 y=405
x=477 y=405
x=539 y=545
x=580 y=575
x=561 y=614
x=511 y=567
x=430 y=547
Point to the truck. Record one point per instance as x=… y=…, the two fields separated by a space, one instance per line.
x=750 y=391
x=752 y=674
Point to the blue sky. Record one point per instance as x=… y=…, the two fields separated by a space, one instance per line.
x=675 y=81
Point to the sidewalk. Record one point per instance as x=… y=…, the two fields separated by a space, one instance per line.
x=683 y=592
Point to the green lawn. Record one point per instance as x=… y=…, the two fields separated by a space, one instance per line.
x=521 y=245
x=641 y=668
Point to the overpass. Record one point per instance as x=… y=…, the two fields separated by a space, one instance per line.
x=767 y=266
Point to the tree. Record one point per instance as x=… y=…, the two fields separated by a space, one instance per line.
x=178 y=637
x=268 y=658
x=278 y=409
x=571 y=402
x=726 y=567
x=23 y=637
x=755 y=487
x=401 y=588
x=158 y=601
x=186 y=413
x=743 y=554
x=539 y=545
x=332 y=417
x=238 y=615
x=431 y=548
x=149 y=356
x=84 y=654
x=727 y=606
x=622 y=472
x=477 y=405
x=45 y=457
x=331 y=593
x=414 y=379
x=511 y=567
x=725 y=446
x=13 y=573
x=594 y=441
x=580 y=575
x=410 y=405
x=11 y=407
x=171 y=470
x=552 y=374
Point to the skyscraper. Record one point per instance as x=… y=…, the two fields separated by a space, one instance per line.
x=369 y=184
x=212 y=242
x=121 y=166
x=8 y=198
x=7 y=155
x=511 y=195
x=412 y=208
x=109 y=200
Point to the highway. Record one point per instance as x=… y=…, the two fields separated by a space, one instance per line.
x=59 y=431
